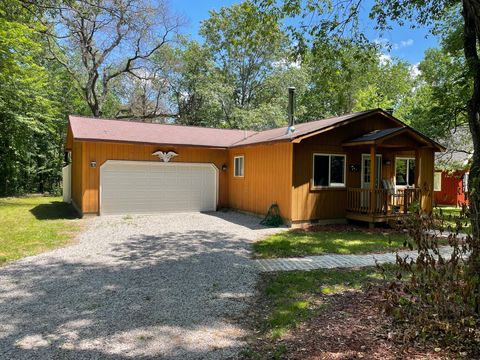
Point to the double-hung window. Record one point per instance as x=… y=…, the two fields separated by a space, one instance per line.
x=405 y=171
x=328 y=170
x=238 y=164
x=465 y=182
x=437 y=181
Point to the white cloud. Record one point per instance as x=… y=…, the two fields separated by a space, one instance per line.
x=385 y=58
x=406 y=43
x=386 y=44
x=414 y=70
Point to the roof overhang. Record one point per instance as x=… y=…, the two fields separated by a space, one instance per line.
x=381 y=138
x=299 y=139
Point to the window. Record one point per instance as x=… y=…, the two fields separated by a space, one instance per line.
x=465 y=182
x=328 y=170
x=404 y=171
x=437 y=181
x=238 y=166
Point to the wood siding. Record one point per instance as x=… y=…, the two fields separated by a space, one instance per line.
x=331 y=203
x=267 y=178
x=103 y=151
x=77 y=174
x=452 y=189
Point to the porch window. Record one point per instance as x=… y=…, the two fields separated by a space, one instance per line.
x=328 y=170
x=405 y=171
x=238 y=166
x=437 y=181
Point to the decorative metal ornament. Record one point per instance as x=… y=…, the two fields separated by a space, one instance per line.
x=165 y=156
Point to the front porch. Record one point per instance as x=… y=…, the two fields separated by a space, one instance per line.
x=396 y=171
x=380 y=205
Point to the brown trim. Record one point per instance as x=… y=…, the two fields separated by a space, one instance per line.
x=379 y=141
x=436 y=145
x=337 y=125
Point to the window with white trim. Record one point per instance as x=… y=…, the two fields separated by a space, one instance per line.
x=437 y=181
x=328 y=170
x=238 y=164
x=465 y=182
x=405 y=172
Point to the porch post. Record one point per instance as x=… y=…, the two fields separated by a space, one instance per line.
x=373 y=165
x=417 y=169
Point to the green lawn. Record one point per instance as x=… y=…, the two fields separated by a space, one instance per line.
x=452 y=215
x=301 y=243
x=30 y=225
x=293 y=296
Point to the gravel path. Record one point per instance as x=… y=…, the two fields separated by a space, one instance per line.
x=165 y=286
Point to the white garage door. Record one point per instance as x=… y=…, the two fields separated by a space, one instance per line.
x=129 y=187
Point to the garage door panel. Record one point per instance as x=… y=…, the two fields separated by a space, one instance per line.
x=143 y=187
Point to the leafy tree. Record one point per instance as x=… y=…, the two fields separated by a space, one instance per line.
x=98 y=42
x=34 y=95
x=442 y=92
x=245 y=48
x=387 y=85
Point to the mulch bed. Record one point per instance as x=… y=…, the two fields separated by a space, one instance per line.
x=351 y=326
x=350 y=228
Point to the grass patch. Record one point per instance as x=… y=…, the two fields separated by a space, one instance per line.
x=294 y=297
x=30 y=225
x=451 y=216
x=301 y=243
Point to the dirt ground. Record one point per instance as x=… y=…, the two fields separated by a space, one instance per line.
x=351 y=325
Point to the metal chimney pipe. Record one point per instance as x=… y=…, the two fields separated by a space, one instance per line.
x=291 y=109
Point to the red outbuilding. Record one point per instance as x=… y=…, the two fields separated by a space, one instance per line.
x=452 y=169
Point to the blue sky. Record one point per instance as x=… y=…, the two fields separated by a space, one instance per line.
x=408 y=44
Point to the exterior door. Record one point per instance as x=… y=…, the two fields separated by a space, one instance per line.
x=366 y=178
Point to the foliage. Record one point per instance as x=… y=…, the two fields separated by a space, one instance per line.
x=100 y=42
x=300 y=243
x=246 y=49
x=435 y=300
x=441 y=94
x=352 y=77
x=273 y=217
x=34 y=224
x=34 y=96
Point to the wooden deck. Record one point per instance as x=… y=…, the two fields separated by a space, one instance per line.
x=380 y=205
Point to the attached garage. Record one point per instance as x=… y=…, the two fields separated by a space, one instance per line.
x=133 y=187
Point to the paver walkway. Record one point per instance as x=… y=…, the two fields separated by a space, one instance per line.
x=335 y=261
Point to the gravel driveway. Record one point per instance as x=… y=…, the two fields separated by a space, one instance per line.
x=164 y=286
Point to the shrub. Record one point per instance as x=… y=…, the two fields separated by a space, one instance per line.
x=435 y=296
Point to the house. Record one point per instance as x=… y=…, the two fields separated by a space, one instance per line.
x=452 y=169
x=318 y=171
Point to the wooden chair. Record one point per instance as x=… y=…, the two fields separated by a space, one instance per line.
x=393 y=203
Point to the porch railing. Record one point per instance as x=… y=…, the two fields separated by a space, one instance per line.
x=381 y=201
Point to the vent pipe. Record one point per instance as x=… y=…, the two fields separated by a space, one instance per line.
x=291 y=110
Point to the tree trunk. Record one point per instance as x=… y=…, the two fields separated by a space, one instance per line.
x=471 y=15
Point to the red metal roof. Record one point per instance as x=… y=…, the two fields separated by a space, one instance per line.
x=95 y=129
x=301 y=129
